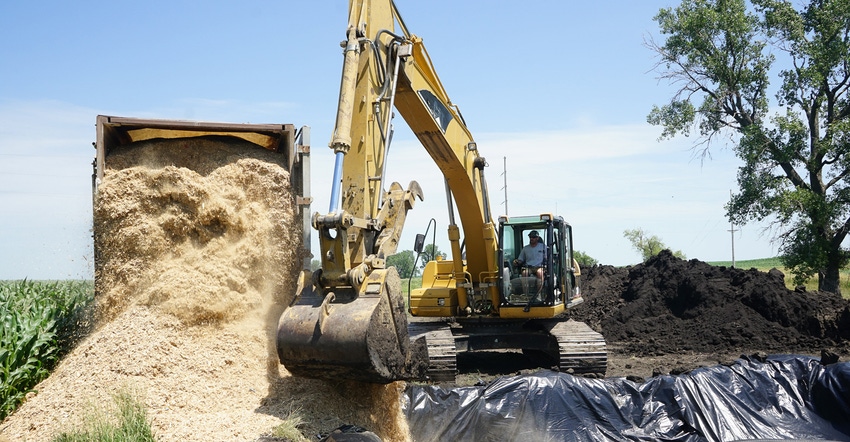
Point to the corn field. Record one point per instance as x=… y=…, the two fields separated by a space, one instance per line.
x=40 y=322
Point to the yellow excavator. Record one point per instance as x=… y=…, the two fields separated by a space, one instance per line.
x=349 y=319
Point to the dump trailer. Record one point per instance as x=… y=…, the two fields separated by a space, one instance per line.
x=121 y=134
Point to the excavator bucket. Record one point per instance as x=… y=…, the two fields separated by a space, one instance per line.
x=345 y=335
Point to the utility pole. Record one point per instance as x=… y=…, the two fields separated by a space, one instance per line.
x=505 y=180
x=732 y=230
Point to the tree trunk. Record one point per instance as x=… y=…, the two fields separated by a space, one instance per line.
x=829 y=279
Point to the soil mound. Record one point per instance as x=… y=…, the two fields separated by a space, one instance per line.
x=668 y=305
x=196 y=246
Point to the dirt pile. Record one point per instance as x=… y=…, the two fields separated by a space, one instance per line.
x=196 y=252
x=670 y=306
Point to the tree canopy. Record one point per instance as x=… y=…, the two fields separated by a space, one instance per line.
x=648 y=245
x=429 y=253
x=723 y=55
x=403 y=263
x=584 y=259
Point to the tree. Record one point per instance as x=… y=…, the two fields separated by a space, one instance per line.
x=403 y=263
x=584 y=259
x=796 y=168
x=648 y=246
x=430 y=252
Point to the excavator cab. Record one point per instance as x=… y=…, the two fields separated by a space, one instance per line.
x=553 y=282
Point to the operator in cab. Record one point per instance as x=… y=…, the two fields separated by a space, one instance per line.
x=532 y=256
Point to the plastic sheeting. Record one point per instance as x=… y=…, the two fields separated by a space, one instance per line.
x=786 y=397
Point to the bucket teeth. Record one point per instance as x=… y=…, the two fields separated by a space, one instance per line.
x=344 y=335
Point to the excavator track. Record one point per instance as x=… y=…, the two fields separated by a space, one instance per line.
x=442 y=352
x=582 y=350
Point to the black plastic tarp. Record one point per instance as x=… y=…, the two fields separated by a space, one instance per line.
x=785 y=397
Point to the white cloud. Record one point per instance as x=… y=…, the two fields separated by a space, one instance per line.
x=45 y=128
x=45 y=189
x=582 y=143
x=232 y=111
x=602 y=179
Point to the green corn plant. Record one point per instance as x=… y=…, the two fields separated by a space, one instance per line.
x=30 y=313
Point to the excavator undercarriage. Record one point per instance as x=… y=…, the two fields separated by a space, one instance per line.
x=566 y=345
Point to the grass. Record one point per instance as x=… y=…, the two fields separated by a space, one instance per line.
x=129 y=423
x=406 y=286
x=290 y=429
x=761 y=264
x=37 y=326
x=414 y=283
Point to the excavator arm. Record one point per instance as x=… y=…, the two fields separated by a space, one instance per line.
x=425 y=106
x=368 y=217
x=348 y=320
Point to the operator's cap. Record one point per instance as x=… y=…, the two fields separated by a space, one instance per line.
x=533 y=234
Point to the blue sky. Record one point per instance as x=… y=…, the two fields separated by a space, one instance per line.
x=560 y=89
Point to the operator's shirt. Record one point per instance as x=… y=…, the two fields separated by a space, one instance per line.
x=533 y=255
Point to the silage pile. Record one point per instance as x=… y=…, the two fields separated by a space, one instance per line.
x=196 y=245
